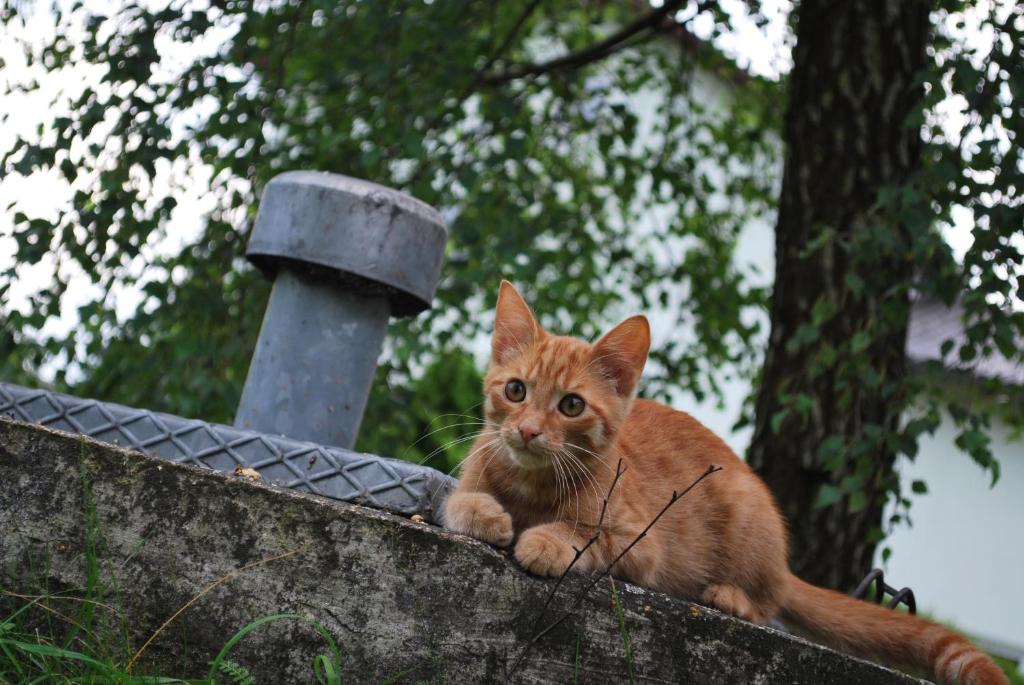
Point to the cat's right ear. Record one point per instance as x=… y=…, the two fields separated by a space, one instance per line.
x=515 y=327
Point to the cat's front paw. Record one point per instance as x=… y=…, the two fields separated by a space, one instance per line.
x=543 y=551
x=479 y=515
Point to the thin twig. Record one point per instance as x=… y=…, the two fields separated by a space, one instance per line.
x=591 y=53
x=619 y=470
x=37 y=601
x=510 y=36
x=676 y=496
x=223 y=579
x=63 y=597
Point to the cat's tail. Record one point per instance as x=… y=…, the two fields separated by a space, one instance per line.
x=875 y=632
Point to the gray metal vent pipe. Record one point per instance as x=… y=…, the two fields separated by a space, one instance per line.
x=345 y=255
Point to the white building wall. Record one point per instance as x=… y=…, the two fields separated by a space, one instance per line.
x=964 y=554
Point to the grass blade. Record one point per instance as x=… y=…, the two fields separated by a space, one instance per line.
x=331 y=675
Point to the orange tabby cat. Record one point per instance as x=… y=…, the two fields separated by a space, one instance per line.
x=560 y=414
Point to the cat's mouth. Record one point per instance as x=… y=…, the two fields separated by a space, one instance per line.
x=526 y=458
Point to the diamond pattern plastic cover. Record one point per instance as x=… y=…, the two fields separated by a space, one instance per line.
x=333 y=472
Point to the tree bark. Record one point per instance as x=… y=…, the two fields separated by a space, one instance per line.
x=853 y=84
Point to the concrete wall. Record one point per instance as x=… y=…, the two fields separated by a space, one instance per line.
x=399 y=597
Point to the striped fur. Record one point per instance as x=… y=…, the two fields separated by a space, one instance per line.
x=537 y=478
x=874 y=632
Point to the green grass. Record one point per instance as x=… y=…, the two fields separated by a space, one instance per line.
x=1008 y=666
x=1010 y=669
x=82 y=637
x=622 y=631
x=576 y=662
x=29 y=656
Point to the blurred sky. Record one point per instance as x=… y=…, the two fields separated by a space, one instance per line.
x=763 y=50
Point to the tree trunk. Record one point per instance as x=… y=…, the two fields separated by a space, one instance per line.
x=835 y=363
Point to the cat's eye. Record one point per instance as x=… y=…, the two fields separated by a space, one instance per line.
x=571 y=405
x=515 y=390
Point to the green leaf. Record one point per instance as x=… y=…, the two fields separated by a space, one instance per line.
x=860 y=341
x=852 y=484
x=823 y=311
x=854 y=282
x=830 y=452
x=777 y=419
x=827 y=496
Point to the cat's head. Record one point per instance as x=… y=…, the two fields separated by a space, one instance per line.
x=546 y=394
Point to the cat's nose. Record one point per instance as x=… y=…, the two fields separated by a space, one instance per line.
x=528 y=433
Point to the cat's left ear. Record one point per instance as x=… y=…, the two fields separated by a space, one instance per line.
x=622 y=352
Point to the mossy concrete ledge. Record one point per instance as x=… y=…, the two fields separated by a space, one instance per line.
x=402 y=599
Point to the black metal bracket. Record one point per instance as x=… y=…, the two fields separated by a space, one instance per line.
x=903 y=596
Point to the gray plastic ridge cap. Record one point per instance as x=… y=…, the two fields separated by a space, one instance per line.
x=375 y=191
x=370 y=237
x=390 y=484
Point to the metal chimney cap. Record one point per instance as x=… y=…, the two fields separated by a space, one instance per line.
x=373 y=239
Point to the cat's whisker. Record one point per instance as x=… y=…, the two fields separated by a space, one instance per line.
x=438 y=430
x=453 y=443
x=594 y=484
x=471 y=421
x=487 y=448
x=596 y=455
x=558 y=481
x=482 y=449
x=464 y=416
x=496 y=442
x=586 y=478
x=470 y=417
x=599 y=457
x=585 y=472
x=576 y=498
x=473 y=453
x=443 y=447
x=491 y=440
x=569 y=493
x=571 y=488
